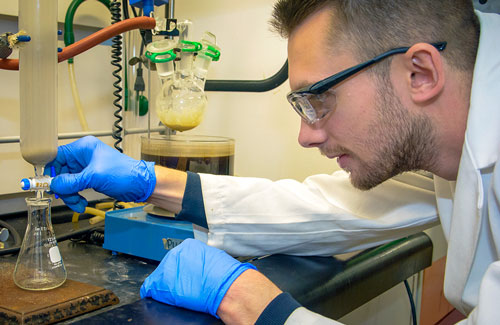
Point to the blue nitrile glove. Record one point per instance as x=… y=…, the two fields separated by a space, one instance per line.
x=90 y=163
x=194 y=276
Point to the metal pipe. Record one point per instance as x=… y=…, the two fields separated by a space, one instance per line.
x=76 y=135
x=171 y=8
x=169 y=14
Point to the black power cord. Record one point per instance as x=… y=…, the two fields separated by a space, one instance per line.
x=125 y=9
x=116 y=59
x=93 y=237
x=412 y=303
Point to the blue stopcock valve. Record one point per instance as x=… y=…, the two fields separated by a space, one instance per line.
x=38 y=183
x=41 y=183
x=23 y=38
x=25 y=184
x=147 y=5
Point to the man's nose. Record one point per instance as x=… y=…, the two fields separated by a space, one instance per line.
x=311 y=135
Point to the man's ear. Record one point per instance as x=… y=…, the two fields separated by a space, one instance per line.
x=426 y=75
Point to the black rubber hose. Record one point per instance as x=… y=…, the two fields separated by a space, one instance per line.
x=17 y=238
x=83 y=231
x=250 y=85
x=116 y=62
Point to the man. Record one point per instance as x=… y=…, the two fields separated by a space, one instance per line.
x=429 y=100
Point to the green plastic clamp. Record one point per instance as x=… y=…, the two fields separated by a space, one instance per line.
x=196 y=46
x=153 y=56
x=213 y=53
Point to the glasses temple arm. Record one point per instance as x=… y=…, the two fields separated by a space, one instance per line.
x=440 y=46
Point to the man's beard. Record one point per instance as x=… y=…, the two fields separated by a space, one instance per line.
x=402 y=141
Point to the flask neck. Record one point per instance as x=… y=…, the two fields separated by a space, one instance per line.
x=39 y=212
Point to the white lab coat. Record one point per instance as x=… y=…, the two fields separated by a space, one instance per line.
x=325 y=215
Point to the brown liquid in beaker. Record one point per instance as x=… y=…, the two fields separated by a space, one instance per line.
x=199 y=154
x=210 y=165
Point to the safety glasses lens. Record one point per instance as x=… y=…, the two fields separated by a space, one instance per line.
x=302 y=105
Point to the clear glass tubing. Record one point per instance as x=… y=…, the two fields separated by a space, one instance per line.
x=39 y=264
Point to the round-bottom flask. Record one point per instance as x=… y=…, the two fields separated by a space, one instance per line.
x=180 y=105
x=39 y=264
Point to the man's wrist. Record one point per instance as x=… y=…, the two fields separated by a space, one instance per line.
x=247 y=297
x=169 y=189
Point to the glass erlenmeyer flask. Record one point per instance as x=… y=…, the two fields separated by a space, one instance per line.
x=39 y=264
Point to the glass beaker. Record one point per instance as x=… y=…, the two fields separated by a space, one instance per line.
x=39 y=264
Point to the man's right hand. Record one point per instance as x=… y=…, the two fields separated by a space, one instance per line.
x=90 y=163
x=199 y=277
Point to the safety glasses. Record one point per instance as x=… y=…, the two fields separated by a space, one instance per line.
x=314 y=102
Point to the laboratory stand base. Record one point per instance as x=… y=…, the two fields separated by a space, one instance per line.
x=73 y=298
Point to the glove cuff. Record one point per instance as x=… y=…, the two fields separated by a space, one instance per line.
x=233 y=274
x=149 y=178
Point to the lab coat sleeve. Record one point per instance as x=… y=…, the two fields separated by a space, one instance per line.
x=192 y=204
x=323 y=215
x=304 y=316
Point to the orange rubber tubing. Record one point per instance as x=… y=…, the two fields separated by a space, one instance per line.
x=91 y=40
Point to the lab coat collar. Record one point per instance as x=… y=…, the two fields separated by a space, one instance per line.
x=485 y=89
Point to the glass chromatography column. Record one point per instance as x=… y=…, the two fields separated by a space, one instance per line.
x=38 y=81
x=39 y=264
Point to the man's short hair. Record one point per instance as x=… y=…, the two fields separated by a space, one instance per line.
x=370 y=27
